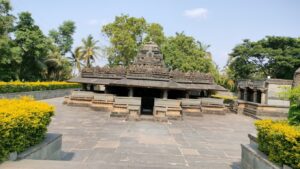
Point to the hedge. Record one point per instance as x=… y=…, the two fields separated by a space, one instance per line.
x=23 y=123
x=280 y=141
x=17 y=86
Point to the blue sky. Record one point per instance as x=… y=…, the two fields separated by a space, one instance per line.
x=221 y=24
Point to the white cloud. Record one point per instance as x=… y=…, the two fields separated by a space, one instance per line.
x=198 y=13
x=93 y=22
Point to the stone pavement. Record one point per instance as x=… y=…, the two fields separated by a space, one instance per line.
x=92 y=139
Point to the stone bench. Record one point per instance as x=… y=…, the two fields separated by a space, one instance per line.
x=126 y=107
x=103 y=102
x=79 y=98
x=213 y=106
x=167 y=108
x=191 y=107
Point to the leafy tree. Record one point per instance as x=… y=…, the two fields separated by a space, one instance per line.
x=63 y=36
x=273 y=56
x=6 y=18
x=185 y=53
x=9 y=52
x=10 y=59
x=89 y=50
x=155 y=33
x=125 y=35
x=58 y=67
x=34 y=48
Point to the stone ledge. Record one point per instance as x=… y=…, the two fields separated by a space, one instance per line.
x=40 y=95
x=252 y=158
x=49 y=149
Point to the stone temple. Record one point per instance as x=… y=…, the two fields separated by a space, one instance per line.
x=147 y=87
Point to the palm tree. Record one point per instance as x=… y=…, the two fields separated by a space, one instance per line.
x=76 y=58
x=89 y=50
x=54 y=64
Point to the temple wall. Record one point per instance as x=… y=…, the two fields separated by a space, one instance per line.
x=255 y=109
x=130 y=107
x=273 y=95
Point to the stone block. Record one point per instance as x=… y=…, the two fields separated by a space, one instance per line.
x=252 y=158
x=192 y=111
x=49 y=149
x=213 y=110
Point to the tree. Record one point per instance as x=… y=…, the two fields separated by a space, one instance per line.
x=125 y=35
x=185 y=53
x=76 y=58
x=89 y=50
x=63 y=36
x=273 y=56
x=34 y=48
x=10 y=57
x=6 y=19
x=155 y=33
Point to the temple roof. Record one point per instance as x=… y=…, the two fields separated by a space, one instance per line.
x=147 y=70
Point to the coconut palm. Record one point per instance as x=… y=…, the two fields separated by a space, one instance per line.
x=89 y=50
x=54 y=64
x=76 y=58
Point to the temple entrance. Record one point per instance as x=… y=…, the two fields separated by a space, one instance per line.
x=147 y=105
x=148 y=96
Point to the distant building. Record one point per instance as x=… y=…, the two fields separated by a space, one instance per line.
x=262 y=97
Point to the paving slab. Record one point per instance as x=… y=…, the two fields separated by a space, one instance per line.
x=91 y=139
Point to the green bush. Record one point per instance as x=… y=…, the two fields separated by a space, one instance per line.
x=294 y=114
x=280 y=141
x=23 y=123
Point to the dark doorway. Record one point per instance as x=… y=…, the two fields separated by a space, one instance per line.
x=148 y=96
x=147 y=105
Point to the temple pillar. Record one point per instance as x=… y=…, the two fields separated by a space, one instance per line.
x=245 y=94
x=187 y=94
x=255 y=96
x=263 y=98
x=239 y=93
x=165 y=94
x=205 y=93
x=130 y=92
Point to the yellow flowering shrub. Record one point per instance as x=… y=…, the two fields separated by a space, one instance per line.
x=23 y=123
x=280 y=141
x=17 y=86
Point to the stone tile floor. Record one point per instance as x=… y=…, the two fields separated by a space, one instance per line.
x=92 y=139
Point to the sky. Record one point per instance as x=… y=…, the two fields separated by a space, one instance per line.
x=220 y=24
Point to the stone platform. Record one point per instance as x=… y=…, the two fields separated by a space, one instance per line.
x=91 y=139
